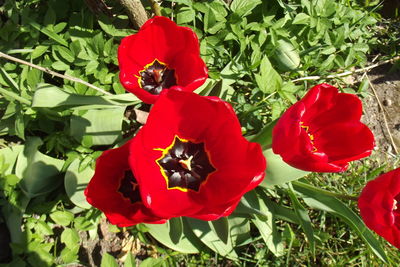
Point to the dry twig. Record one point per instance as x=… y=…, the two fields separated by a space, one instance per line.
x=346 y=73
x=47 y=70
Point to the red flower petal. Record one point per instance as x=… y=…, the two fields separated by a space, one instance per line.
x=160 y=38
x=322 y=132
x=380 y=207
x=103 y=193
x=239 y=165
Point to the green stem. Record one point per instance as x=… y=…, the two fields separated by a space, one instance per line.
x=15 y=96
x=325 y=192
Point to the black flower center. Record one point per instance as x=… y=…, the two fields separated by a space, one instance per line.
x=129 y=187
x=185 y=165
x=156 y=76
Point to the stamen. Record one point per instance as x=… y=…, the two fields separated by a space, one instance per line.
x=187 y=164
x=311 y=136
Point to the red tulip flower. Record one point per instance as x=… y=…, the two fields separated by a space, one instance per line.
x=379 y=205
x=115 y=191
x=191 y=159
x=322 y=132
x=161 y=55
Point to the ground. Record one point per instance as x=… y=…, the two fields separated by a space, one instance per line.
x=385 y=124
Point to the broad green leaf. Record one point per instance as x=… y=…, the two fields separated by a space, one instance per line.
x=152 y=262
x=107 y=26
x=10 y=155
x=279 y=172
x=239 y=230
x=65 y=53
x=204 y=232
x=301 y=18
x=70 y=237
x=268 y=230
x=108 y=261
x=244 y=7
x=268 y=80
x=63 y=218
x=75 y=182
x=188 y=242
x=39 y=172
x=175 y=229
x=185 y=15
x=70 y=254
x=304 y=219
x=61 y=98
x=264 y=137
x=130 y=261
x=315 y=199
x=103 y=126
x=286 y=56
x=221 y=228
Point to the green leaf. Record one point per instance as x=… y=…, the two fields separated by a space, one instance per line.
x=267 y=228
x=175 y=229
x=185 y=15
x=65 y=53
x=221 y=228
x=104 y=126
x=286 y=56
x=39 y=172
x=130 y=261
x=75 y=183
x=244 y=7
x=9 y=80
x=268 y=80
x=304 y=219
x=63 y=99
x=264 y=137
x=69 y=254
x=204 y=232
x=38 y=51
x=315 y=199
x=70 y=237
x=188 y=242
x=63 y=218
x=279 y=172
x=152 y=262
x=108 y=261
x=301 y=18
x=49 y=33
x=10 y=154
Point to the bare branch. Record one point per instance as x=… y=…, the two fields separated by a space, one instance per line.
x=347 y=73
x=136 y=12
x=47 y=70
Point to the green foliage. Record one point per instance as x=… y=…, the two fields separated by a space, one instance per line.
x=53 y=129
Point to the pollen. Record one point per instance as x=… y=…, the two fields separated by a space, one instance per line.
x=311 y=136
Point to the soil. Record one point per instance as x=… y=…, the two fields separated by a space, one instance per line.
x=382 y=111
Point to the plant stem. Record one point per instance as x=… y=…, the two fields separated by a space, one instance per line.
x=155 y=7
x=325 y=192
x=67 y=77
x=346 y=73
